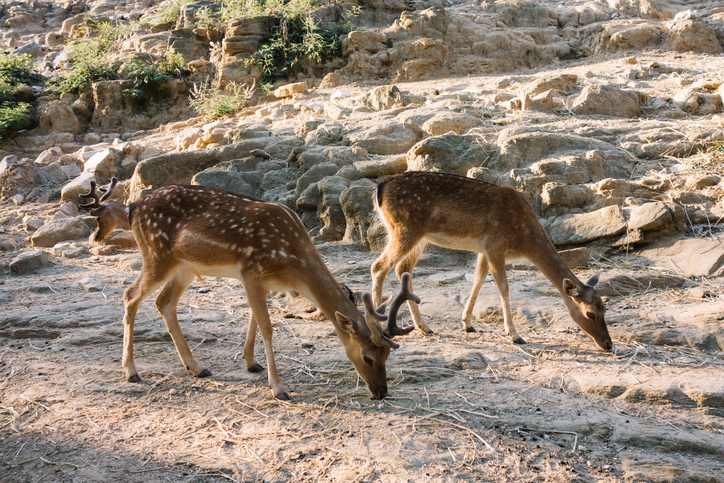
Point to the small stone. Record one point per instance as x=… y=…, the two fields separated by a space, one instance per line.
x=290 y=89
x=29 y=261
x=33 y=224
x=698 y=293
x=90 y=285
x=307 y=344
x=103 y=250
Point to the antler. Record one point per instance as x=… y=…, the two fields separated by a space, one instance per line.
x=107 y=192
x=372 y=317
x=405 y=294
x=91 y=194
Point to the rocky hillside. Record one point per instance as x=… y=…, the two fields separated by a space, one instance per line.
x=607 y=115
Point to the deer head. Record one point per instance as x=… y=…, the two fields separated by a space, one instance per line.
x=109 y=215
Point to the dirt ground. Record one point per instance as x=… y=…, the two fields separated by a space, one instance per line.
x=462 y=406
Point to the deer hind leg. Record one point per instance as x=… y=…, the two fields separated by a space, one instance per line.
x=481 y=271
x=396 y=250
x=146 y=283
x=166 y=303
x=408 y=265
x=257 y=300
x=497 y=268
x=251 y=364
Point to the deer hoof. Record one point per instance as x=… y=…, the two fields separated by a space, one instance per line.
x=204 y=373
x=255 y=368
x=282 y=396
x=470 y=329
x=519 y=341
x=134 y=378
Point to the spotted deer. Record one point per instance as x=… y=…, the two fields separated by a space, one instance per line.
x=109 y=215
x=462 y=213
x=185 y=232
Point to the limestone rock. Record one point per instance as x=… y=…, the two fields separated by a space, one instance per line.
x=58 y=116
x=384 y=97
x=692 y=36
x=57 y=231
x=29 y=261
x=692 y=257
x=581 y=228
x=609 y=100
x=290 y=89
x=448 y=154
x=449 y=122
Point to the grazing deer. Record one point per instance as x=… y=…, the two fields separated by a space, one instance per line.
x=456 y=212
x=110 y=215
x=185 y=232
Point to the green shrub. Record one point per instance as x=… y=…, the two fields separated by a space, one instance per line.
x=146 y=76
x=168 y=13
x=89 y=62
x=214 y=103
x=15 y=70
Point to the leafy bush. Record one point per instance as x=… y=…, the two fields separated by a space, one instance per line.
x=167 y=13
x=145 y=76
x=88 y=62
x=15 y=70
x=214 y=103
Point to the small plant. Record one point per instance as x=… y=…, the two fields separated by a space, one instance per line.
x=214 y=103
x=167 y=13
x=88 y=62
x=145 y=76
x=15 y=70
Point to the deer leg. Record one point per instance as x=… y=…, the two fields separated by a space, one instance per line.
x=481 y=271
x=251 y=364
x=497 y=268
x=132 y=297
x=395 y=251
x=408 y=265
x=166 y=303
x=257 y=300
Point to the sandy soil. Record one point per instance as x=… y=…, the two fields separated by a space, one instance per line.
x=462 y=406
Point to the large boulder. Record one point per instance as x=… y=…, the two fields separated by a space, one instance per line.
x=609 y=100
x=58 y=116
x=448 y=153
x=692 y=36
x=56 y=231
x=586 y=227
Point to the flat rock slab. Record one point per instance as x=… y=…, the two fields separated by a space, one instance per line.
x=692 y=257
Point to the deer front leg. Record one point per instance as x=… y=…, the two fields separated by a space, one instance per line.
x=260 y=313
x=166 y=303
x=497 y=268
x=251 y=364
x=481 y=271
x=132 y=298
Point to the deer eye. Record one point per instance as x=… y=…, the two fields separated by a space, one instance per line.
x=590 y=315
x=367 y=360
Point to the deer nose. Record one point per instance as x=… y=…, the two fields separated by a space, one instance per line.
x=608 y=345
x=380 y=394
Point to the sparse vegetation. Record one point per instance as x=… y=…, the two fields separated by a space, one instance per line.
x=168 y=13
x=147 y=75
x=15 y=70
x=214 y=103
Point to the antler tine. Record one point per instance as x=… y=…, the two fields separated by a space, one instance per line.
x=371 y=318
x=109 y=189
x=405 y=294
x=91 y=194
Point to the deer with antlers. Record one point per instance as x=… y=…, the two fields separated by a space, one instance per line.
x=462 y=213
x=185 y=232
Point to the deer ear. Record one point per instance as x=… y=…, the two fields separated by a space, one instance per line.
x=570 y=288
x=346 y=324
x=594 y=280
x=98 y=212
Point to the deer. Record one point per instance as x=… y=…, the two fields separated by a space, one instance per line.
x=109 y=215
x=188 y=231
x=496 y=222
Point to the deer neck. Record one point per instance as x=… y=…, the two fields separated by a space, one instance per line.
x=326 y=293
x=547 y=259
